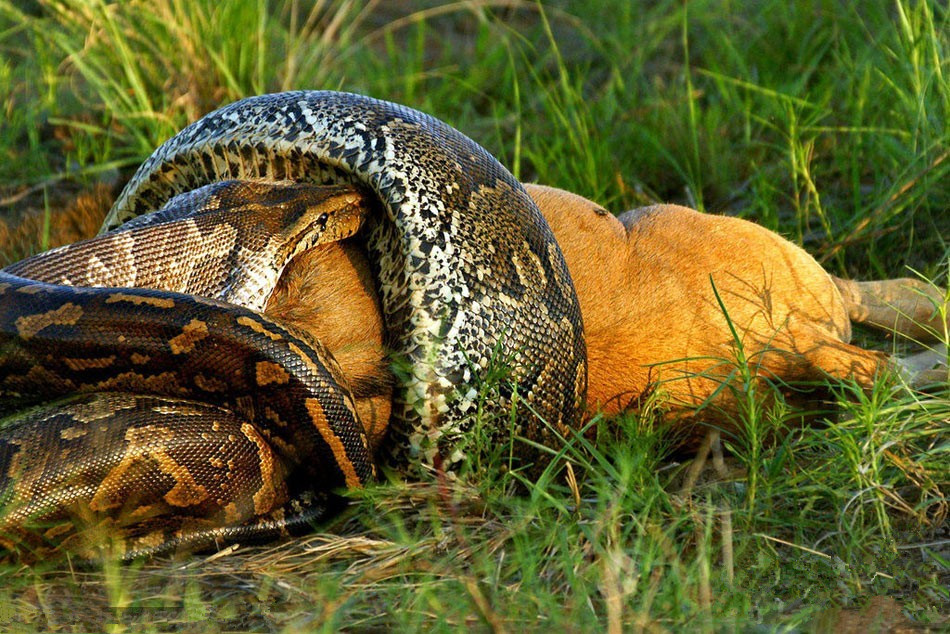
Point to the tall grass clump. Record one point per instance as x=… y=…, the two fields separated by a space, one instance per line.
x=139 y=71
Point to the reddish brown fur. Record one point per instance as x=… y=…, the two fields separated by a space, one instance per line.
x=646 y=282
x=329 y=292
x=77 y=220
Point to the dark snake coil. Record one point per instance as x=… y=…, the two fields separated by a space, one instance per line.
x=467 y=269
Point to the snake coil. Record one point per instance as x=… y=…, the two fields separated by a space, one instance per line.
x=467 y=269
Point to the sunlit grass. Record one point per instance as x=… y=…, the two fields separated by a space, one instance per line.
x=825 y=121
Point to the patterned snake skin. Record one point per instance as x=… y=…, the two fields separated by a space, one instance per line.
x=191 y=420
x=467 y=269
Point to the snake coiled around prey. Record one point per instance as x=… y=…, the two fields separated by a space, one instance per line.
x=466 y=269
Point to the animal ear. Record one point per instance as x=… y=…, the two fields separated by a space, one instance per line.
x=552 y=202
x=582 y=228
x=631 y=217
x=665 y=213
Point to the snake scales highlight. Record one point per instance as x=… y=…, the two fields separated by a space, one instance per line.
x=466 y=268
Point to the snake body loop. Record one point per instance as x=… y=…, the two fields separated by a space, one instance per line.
x=301 y=420
x=163 y=383
x=229 y=240
x=196 y=420
x=467 y=267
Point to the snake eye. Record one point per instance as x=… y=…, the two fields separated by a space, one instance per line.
x=322 y=220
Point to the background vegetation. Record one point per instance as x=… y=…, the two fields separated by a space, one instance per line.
x=825 y=120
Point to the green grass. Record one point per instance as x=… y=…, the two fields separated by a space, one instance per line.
x=823 y=120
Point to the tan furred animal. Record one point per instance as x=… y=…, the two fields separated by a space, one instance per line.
x=648 y=283
x=645 y=281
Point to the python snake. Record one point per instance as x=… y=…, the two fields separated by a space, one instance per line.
x=192 y=416
x=466 y=268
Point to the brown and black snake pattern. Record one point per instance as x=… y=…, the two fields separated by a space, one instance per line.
x=466 y=266
x=197 y=421
x=229 y=240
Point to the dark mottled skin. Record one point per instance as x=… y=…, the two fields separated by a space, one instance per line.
x=442 y=251
x=467 y=270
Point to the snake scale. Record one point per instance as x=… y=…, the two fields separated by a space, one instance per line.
x=466 y=268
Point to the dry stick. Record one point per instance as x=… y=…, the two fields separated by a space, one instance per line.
x=575 y=490
x=705 y=587
x=792 y=544
x=491 y=617
x=470 y=584
x=725 y=513
x=692 y=475
x=941 y=542
x=613 y=596
x=712 y=444
x=14 y=198
x=699 y=462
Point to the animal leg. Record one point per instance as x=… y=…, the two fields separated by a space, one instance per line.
x=927 y=368
x=911 y=308
x=833 y=358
